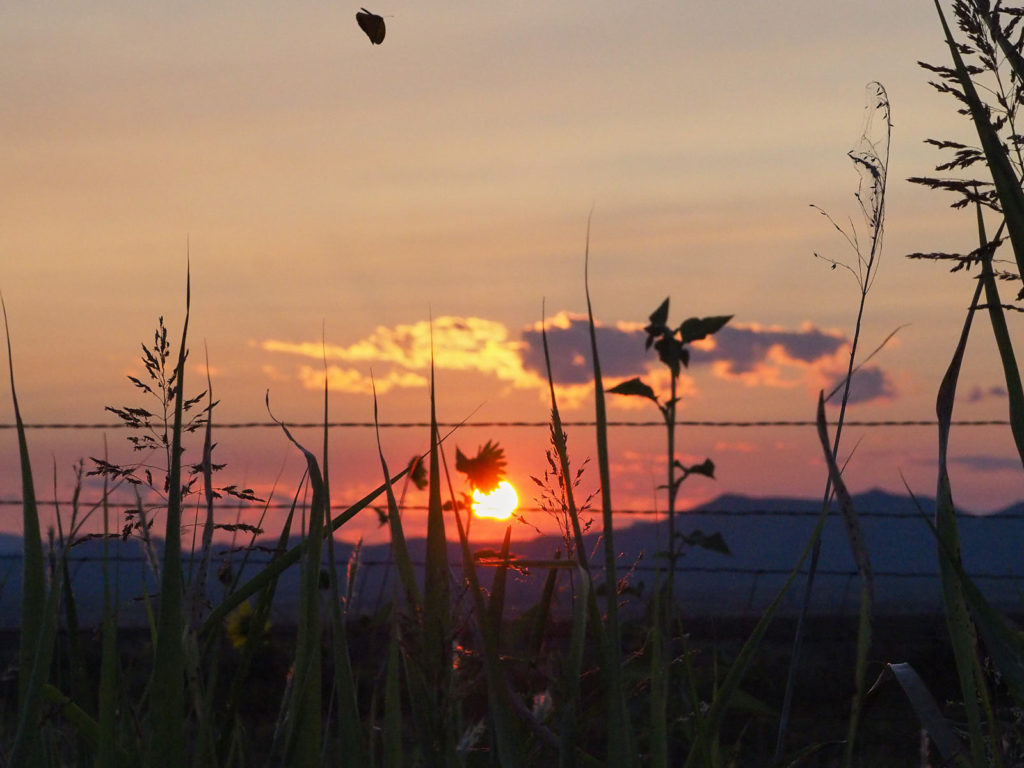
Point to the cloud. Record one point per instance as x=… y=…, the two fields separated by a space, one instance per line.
x=273 y=373
x=204 y=370
x=869 y=383
x=987 y=462
x=353 y=382
x=757 y=356
x=747 y=353
x=744 y=348
x=750 y=354
x=620 y=347
x=459 y=343
x=774 y=357
x=978 y=394
x=401 y=355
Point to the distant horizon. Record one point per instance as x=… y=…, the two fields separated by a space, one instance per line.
x=726 y=505
x=347 y=223
x=255 y=254
x=764 y=544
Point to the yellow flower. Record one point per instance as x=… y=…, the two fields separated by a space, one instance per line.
x=238 y=625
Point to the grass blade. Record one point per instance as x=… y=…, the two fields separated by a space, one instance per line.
x=398 y=545
x=498 y=693
x=725 y=692
x=1004 y=642
x=303 y=714
x=276 y=567
x=659 y=665
x=28 y=741
x=543 y=612
x=198 y=590
x=620 y=751
x=259 y=618
x=1011 y=372
x=33 y=595
x=393 y=701
x=574 y=670
x=435 y=586
x=80 y=685
x=961 y=630
x=588 y=613
x=168 y=688
x=927 y=711
x=867 y=589
x=558 y=437
x=352 y=753
x=436 y=637
x=107 y=705
x=496 y=605
x=871 y=158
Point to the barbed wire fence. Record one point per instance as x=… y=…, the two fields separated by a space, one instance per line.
x=739 y=423
x=748 y=572
x=730 y=423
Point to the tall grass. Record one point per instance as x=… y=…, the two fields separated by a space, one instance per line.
x=985 y=60
x=39 y=605
x=450 y=682
x=466 y=707
x=449 y=694
x=871 y=159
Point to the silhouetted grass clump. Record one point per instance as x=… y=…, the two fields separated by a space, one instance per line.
x=440 y=674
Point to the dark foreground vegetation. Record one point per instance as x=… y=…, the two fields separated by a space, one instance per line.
x=891 y=734
x=442 y=676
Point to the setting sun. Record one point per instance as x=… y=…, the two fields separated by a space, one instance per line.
x=499 y=503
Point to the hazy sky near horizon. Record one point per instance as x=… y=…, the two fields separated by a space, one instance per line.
x=328 y=190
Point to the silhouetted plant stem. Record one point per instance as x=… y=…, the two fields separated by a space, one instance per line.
x=671 y=345
x=620 y=750
x=812 y=567
x=673 y=488
x=168 y=672
x=872 y=161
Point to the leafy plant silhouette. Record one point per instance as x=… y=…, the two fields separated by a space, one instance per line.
x=671 y=345
x=485 y=470
x=151 y=431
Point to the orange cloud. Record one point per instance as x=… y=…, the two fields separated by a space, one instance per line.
x=273 y=373
x=353 y=382
x=403 y=351
x=748 y=354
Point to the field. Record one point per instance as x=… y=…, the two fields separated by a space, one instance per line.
x=891 y=733
x=442 y=674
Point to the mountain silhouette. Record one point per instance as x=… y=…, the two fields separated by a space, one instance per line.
x=765 y=535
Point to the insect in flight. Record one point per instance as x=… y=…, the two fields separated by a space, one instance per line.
x=372 y=25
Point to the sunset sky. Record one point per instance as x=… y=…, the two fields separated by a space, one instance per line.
x=333 y=197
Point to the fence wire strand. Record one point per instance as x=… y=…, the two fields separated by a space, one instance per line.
x=742 y=424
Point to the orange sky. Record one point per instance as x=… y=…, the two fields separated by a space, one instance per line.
x=333 y=190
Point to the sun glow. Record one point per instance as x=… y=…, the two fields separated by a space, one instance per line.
x=498 y=504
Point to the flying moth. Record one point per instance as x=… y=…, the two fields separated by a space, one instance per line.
x=372 y=25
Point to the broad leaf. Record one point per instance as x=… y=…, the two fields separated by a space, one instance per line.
x=634 y=387
x=671 y=352
x=659 y=323
x=697 y=328
x=706 y=468
x=711 y=541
